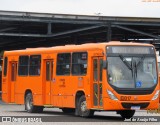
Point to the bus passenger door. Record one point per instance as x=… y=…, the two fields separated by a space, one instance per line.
x=48 y=80
x=13 y=74
x=97 y=82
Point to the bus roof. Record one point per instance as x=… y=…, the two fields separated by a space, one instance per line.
x=82 y=47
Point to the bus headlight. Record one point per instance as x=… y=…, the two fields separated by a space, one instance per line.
x=156 y=95
x=111 y=95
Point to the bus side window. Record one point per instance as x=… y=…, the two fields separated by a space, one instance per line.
x=63 y=64
x=23 y=65
x=79 y=63
x=35 y=65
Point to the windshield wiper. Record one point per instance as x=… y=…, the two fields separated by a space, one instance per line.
x=135 y=68
x=129 y=66
x=125 y=62
x=140 y=62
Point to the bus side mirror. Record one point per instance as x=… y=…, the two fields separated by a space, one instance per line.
x=105 y=64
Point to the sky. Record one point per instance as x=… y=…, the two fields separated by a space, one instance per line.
x=131 y=8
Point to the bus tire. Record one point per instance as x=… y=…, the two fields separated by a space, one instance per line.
x=126 y=114
x=82 y=108
x=68 y=110
x=29 y=104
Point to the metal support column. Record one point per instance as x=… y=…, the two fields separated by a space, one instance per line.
x=49 y=29
x=109 y=32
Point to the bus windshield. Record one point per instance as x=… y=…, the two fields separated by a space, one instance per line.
x=159 y=66
x=132 y=70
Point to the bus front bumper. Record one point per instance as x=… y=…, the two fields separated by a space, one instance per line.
x=109 y=104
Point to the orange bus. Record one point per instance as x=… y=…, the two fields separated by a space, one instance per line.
x=113 y=76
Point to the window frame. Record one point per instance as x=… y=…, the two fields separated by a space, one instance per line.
x=79 y=64
x=39 y=66
x=23 y=65
x=64 y=64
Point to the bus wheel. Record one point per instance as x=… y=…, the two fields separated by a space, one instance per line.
x=68 y=110
x=126 y=113
x=82 y=108
x=29 y=104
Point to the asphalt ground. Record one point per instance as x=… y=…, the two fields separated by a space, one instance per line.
x=56 y=116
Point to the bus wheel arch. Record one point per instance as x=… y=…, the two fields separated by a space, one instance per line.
x=81 y=105
x=77 y=97
x=29 y=106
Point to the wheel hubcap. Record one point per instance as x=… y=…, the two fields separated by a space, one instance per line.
x=84 y=106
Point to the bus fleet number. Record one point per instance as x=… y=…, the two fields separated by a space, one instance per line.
x=125 y=98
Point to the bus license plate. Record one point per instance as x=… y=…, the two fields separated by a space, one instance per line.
x=135 y=107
